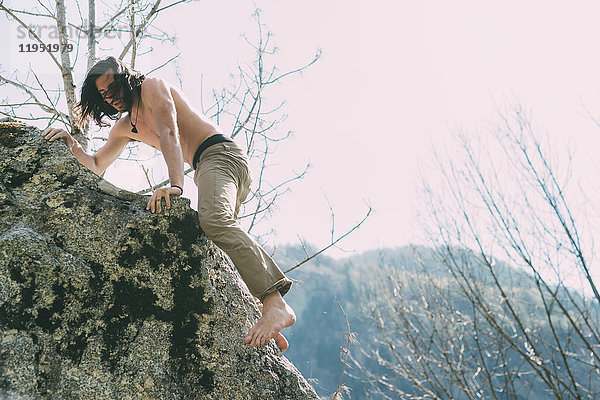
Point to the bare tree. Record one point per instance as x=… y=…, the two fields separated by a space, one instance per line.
x=118 y=18
x=241 y=106
x=460 y=323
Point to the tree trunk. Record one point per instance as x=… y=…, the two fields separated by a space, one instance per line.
x=66 y=70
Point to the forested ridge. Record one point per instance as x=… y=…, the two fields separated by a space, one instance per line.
x=360 y=282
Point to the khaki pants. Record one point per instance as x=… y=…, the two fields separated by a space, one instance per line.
x=223 y=180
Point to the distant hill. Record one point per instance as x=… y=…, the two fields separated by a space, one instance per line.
x=319 y=334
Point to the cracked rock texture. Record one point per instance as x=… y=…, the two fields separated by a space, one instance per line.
x=101 y=299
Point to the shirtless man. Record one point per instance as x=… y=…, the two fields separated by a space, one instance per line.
x=159 y=115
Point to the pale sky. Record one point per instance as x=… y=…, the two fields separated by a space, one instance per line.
x=395 y=76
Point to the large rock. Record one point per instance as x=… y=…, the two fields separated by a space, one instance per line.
x=101 y=299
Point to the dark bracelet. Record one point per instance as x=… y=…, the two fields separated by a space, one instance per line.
x=178 y=187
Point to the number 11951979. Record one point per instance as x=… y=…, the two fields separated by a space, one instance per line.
x=50 y=47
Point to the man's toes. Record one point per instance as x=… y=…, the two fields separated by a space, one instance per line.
x=282 y=342
x=250 y=338
x=252 y=333
x=265 y=339
x=270 y=335
x=256 y=340
x=262 y=340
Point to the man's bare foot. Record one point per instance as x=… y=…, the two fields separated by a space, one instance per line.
x=282 y=342
x=277 y=314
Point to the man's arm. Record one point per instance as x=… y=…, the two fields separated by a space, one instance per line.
x=111 y=150
x=157 y=96
x=98 y=162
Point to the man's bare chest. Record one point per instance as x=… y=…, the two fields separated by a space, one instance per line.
x=146 y=129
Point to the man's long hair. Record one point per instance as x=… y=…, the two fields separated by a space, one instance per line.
x=92 y=104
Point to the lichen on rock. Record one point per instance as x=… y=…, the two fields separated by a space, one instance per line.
x=101 y=299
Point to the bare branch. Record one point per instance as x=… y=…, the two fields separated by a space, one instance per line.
x=31 y=33
x=334 y=242
x=345 y=350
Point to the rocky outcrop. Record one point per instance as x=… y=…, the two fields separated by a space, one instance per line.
x=101 y=299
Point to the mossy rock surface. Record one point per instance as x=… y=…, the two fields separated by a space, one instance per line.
x=101 y=299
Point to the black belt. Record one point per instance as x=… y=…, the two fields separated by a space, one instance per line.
x=214 y=139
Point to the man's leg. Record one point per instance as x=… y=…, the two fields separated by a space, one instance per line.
x=223 y=183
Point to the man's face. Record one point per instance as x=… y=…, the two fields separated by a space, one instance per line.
x=102 y=84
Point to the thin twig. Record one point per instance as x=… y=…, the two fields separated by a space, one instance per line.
x=161 y=184
x=147 y=177
x=334 y=242
x=346 y=350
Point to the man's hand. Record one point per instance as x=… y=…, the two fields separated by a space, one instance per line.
x=56 y=133
x=155 y=201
